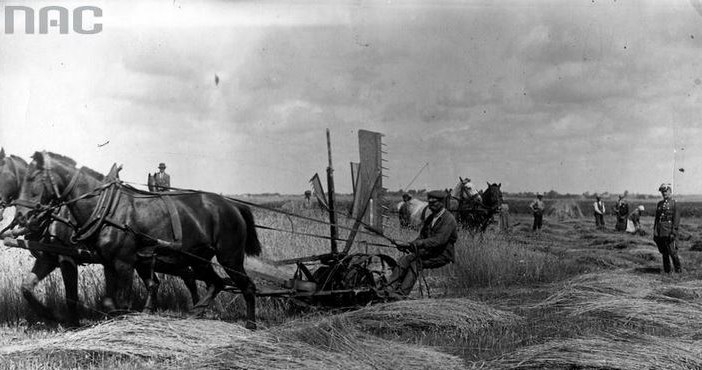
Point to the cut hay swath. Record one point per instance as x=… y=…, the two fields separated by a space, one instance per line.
x=632 y=299
x=626 y=351
x=614 y=283
x=456 y=316
x=343 y=341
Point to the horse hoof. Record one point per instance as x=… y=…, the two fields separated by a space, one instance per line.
x=149 y=310
x=197 y=312
x=251 y=325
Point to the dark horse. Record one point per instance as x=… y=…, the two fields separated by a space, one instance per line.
x=12 y=173
x=475 y=212
x=180 y=231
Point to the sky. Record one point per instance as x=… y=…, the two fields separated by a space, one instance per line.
x=571 y=96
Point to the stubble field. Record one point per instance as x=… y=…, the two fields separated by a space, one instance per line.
x=567 y=297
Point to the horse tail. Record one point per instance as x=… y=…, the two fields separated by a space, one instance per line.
x=253 y=245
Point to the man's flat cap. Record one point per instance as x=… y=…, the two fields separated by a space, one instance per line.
x=436 y=194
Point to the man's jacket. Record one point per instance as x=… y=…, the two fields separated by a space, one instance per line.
x=437 y=240
x=162 y=181
x=667 y=219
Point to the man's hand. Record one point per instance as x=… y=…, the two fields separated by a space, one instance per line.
x=403 y=246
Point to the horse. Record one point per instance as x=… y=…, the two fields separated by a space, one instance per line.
x=412 y=213
x=475 y=212
x=12 y=173
x=179 y=231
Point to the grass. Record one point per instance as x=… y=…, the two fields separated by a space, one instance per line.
x=517 y=300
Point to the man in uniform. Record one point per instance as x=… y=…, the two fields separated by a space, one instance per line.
x=162 y=180
x=665 y=228
x=433 y=248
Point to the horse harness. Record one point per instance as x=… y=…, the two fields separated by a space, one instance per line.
x=102 y=215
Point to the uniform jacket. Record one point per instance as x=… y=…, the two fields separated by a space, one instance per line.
x=162 y=181
x=437 y=240
x=667 y=219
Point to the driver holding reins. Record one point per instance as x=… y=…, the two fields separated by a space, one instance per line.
x=433 y=248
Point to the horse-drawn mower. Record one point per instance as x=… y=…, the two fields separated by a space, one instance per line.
x=342 y=278
x=338 y=278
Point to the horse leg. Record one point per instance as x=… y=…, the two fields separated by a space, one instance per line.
x=125 y=274
x=189 y=280
x=235 y=270
x=118 y=285
x=69 y=272
x=42 y=268
x=215 y=284
x=152 y=284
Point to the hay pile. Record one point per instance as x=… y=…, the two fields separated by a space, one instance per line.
x=145 y=336
x=343 y=341
x=623 y=351
x=565 y=210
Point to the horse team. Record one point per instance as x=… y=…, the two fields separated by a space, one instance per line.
x=472 y=214
x=126 y=229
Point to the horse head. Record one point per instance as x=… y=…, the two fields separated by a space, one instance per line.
x=49 y=180
x=12 y=171
x=492 y=196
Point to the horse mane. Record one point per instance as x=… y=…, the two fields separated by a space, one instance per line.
x=91 y=172
x=62 y=158
x=19 y=159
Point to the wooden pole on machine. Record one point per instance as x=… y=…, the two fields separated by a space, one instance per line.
x=330 y=187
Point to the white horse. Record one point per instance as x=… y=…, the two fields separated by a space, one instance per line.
x=413 y=212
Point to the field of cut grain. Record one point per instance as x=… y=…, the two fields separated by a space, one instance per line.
x=567 y=297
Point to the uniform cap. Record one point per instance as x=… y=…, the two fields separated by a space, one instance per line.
x=436 y=194
x=161 y=165
x=664 y=186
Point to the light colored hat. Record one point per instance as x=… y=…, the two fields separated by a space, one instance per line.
x=664 y=186
x=161 y=165
x=641 y=208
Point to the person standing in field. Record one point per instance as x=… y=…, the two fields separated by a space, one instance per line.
x=621 y=211
x=599 y=210
x=537 y=209
x=504 y=217
x=433 y=248
x=665 y=228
